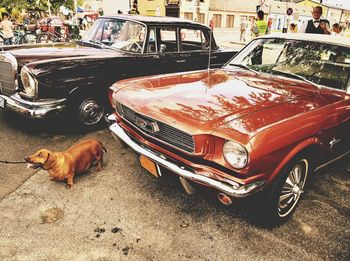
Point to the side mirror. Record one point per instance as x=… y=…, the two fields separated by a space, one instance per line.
x=162 y=48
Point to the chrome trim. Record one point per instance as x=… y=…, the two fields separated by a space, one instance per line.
x=35 y=110
x=8 y=57
x=153 y=136
x=331 y=161
x=237 y=190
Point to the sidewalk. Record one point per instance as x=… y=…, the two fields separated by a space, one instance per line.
x=229 y=36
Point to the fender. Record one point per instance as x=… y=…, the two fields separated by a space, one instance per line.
x=297 y=149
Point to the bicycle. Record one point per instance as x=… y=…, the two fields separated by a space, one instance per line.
x=23 y=38
x=67 y=33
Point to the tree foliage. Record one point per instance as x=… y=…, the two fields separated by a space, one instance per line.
x=38 y=5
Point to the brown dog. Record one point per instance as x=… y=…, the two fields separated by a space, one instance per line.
x=64 y=165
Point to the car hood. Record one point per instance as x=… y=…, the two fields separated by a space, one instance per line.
x=210 y=101
x=39 y=52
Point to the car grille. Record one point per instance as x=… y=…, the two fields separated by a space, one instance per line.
x=7 y=77
x=163 y=131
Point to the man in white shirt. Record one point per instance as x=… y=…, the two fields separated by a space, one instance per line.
x=316 y=25
x=7 y=29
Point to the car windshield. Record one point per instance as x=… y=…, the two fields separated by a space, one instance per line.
x=319 y=63
x=117 y=33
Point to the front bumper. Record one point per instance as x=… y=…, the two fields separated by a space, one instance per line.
x=237 y=190
x=35 y=110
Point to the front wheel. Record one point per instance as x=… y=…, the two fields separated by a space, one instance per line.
x=87 y=112
x=287 y=190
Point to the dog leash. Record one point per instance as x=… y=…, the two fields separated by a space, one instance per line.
x=12 y=162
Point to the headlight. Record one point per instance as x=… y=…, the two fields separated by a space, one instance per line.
x=235 y=154
x=29 y=82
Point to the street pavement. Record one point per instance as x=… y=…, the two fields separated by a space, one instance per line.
x=124 y=213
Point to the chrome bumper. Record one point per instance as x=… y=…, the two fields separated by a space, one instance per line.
x=35 y=110
x=236 y=190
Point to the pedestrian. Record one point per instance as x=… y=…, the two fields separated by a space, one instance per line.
x=211 y=24
x=7 y=29
x=260 y=26
x=316 y=25
x=293 y=28
x=134 y=9
x=243 y=29
x=337 y=30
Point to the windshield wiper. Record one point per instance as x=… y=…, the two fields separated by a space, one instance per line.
x=293 y=75
x=243 y=66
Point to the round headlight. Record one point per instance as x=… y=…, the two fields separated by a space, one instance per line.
x=235 y=154
x=29 y=82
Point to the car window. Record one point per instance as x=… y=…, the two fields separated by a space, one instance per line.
x=192 y=40
x=117 y=33
x=321 y=63
x=168 y=37
x=152 y=41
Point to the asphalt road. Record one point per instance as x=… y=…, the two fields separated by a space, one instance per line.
x=123 y=212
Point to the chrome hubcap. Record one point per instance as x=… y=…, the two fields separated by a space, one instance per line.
x=90 y=112
x=292 y=188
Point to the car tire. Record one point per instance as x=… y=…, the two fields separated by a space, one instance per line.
x=285 y=193
x=87 y=112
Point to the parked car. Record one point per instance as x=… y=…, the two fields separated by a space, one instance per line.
x=278 y=111
x=42 y=80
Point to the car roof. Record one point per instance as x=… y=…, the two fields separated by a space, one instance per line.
x=322 y=38
x=154 y=20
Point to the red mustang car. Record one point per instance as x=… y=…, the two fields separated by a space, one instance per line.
x=274 y=114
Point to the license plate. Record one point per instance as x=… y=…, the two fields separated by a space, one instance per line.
x=149 y=165
x=2 y=102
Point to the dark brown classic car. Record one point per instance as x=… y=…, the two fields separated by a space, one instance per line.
x=261 y=125
x=43 y=80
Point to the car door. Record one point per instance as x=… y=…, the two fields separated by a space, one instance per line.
x=336 y=138
x=168 y=48
x=194 y=49
x=335 y=74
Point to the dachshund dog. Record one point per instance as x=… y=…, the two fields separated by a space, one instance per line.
x=64 y=165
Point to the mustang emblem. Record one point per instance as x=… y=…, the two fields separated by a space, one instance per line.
x=333 y=142
x=147 y=125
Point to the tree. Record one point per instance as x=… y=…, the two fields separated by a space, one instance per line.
x=38 y=5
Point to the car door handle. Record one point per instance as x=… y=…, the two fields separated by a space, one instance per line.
x=180 y=61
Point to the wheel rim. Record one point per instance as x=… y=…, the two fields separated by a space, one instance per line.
x=293 y=188
x=90 y=112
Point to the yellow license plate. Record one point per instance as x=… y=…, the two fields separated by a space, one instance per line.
x=149 y=165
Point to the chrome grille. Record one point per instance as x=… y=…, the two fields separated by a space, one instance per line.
x=7 y=74
x=166 y=133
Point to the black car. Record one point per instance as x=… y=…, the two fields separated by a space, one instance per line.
x=44 y=80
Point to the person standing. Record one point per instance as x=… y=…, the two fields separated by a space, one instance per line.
x=7 y=28
x=316 y=25
x=293 y=28
x=260 y=26
x=211 y=24
x=337 y=30
x=243 y=29
x=134 y=10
